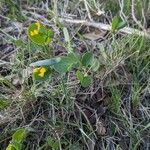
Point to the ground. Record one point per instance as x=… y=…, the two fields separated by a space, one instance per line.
x=112 y=112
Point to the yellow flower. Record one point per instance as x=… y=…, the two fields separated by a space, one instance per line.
x=40 y=71
x=34 y=32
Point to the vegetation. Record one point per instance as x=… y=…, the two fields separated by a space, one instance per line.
x=67 y=83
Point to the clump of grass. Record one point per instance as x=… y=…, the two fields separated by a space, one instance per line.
x=4 y=103
x=115 y=104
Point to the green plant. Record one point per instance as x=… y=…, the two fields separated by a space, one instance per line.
x=17 y=139
x=117 y=24
x=84 y=65
x=136 y=92
x=39 y=34
x=53 y=143
x=115 y=104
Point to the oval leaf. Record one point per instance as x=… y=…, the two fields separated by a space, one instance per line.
x=63 y=66
x=66 y=63
x=117 y=23
x=19 y=135
x=121 y=25
x=53 y=143
x=87 y=59
x=10 y=147
x=46 y=62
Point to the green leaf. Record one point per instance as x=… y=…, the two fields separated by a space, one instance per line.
x=121 y=25
x=53 y=143
x=117 y=24
x=79 y=75
x=46 y=62
x=87 y=59
x=19 y=135
x=44 y=35
x=84 y=80
x=10 y=147
x=87 y=80
x=16 y=145
x=72 y=58
x=95 y=65
x=66 y=63
x=63 y=66
x=17 y=139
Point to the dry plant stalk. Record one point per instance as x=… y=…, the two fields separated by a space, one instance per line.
x=98 y=25
x=106 y=27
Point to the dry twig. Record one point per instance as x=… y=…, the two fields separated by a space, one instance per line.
x=106 y=27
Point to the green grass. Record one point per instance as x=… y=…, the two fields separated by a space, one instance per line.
x=59 y=113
